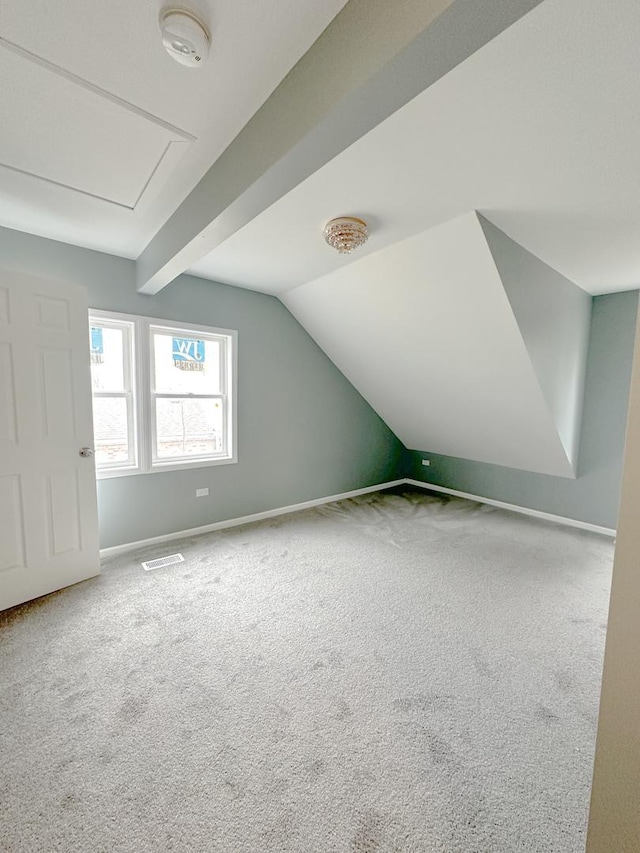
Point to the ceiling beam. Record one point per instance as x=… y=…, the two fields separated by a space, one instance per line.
x=372 y=59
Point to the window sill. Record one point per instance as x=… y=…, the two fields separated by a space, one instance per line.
x=110 y=473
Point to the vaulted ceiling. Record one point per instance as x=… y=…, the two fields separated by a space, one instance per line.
x=539 y=130
x=492 y=148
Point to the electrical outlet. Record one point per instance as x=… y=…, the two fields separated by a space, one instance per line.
x=202 y=493
x=426 y=462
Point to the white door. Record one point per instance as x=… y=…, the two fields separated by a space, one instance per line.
x=48 y=510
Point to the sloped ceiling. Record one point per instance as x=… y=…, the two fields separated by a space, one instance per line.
x=427 y=332
x=539 y=130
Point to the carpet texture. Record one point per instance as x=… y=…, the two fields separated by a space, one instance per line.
x=387 y=674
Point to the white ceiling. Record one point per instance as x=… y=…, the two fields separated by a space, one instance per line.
x=539 y=130
x=103 y=134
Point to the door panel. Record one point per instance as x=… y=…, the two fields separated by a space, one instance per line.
x=48 y=510
x=64 y=512
x=4 y=305
x=8 y=426
x=12 y=553
x=55 y=381
x=51 y=313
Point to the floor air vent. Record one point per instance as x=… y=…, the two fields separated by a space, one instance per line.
x=161 y=562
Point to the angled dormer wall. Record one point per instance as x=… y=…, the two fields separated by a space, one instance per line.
x=462 y=342
x=553 y=316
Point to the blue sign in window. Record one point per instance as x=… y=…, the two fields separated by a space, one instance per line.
x=97 y=344
x=187 y=349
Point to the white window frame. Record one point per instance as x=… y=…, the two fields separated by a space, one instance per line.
x=129 y=392
x=143 y=432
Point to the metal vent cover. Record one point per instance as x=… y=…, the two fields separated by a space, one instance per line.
x=161 y=562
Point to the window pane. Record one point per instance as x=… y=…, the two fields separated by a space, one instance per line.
x=107 y=359
x=186 y=365
x=188 y=427
x=110 y=430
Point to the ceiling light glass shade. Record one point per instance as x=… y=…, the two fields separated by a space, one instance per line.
x=346 y=233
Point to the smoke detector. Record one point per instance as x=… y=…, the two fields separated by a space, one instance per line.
x=185 y=37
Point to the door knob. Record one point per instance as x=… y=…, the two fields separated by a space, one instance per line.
x=86 y=452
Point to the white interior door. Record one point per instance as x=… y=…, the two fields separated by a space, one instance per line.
x=48 y=508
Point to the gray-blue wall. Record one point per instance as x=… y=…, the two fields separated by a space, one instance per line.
x=303 y=430
x=594 y=495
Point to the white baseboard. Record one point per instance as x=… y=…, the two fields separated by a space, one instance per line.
x=245 y=519
x=546 y=516
x=284 y=510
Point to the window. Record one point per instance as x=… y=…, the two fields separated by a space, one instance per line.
x=163 y=395
x=114 y=411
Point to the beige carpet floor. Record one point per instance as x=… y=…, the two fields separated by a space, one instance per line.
x=392 y=673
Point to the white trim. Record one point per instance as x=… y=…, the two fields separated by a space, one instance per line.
x=96 y=90
x=178 y=137
x=87 y=193
x=129 y=393
x=285 y=510
x=534 y=513
x=245 y=519
x=140 y=340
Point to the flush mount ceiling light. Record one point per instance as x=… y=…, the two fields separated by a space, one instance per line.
x=185 y=37
x=346 y=233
